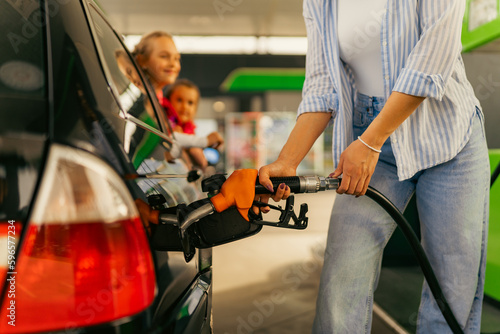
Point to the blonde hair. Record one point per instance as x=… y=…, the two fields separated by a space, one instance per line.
x=143 y=48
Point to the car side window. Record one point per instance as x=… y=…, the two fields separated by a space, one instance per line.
x=130 y=91
x=125 y=78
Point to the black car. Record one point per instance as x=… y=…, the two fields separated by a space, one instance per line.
x=84 y=178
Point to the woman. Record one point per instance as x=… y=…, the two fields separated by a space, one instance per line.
x=406 y=122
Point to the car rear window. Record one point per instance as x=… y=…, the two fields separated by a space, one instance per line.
x=22 y=65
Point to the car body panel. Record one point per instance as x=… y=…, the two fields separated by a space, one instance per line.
x=74 y=105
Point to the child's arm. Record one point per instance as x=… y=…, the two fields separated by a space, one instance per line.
x=183 y=140
x=215 y=140
x=198 y=157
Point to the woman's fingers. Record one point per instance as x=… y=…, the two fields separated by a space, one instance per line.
x=354 y=185
x=344 y=185
x=357 y=164
x=263 y=199
x=359 y=187
x=282 y=192
x=363 y=182
x=264 y=178
x=365 y=186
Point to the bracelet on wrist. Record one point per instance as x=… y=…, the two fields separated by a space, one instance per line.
x=370 y=147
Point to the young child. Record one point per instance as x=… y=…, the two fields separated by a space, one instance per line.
x=184 y=96
x=158 y=57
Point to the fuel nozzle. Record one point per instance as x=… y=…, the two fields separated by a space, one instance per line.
x=237 y=191
x=301 y=184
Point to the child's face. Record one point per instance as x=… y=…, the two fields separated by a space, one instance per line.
x=125 y=65
x=185 y=102
x=163 y=63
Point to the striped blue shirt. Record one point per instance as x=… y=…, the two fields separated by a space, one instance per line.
x=421 y=56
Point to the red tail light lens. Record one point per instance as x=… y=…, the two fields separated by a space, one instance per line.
x=86 y=258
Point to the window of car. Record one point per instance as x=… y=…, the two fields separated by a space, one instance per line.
x=121 y=70
x=131 y=91
x=134 y=95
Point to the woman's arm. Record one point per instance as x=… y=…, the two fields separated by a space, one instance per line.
x=357 y=163
x=397 y=109
x=315 y=111
x=307 y=129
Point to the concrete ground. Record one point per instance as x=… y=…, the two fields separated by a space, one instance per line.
x=267 y=284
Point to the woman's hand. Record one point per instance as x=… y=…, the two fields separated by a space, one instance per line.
x=274 y=169
x=307 y=129
x=357 y=164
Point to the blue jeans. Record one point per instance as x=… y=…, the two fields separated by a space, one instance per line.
x=452 y=202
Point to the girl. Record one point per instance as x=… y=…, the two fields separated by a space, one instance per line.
x=184 y=96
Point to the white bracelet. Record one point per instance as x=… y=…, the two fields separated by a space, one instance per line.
x=371 y=148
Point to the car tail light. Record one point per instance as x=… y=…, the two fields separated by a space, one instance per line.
x=85 y=259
